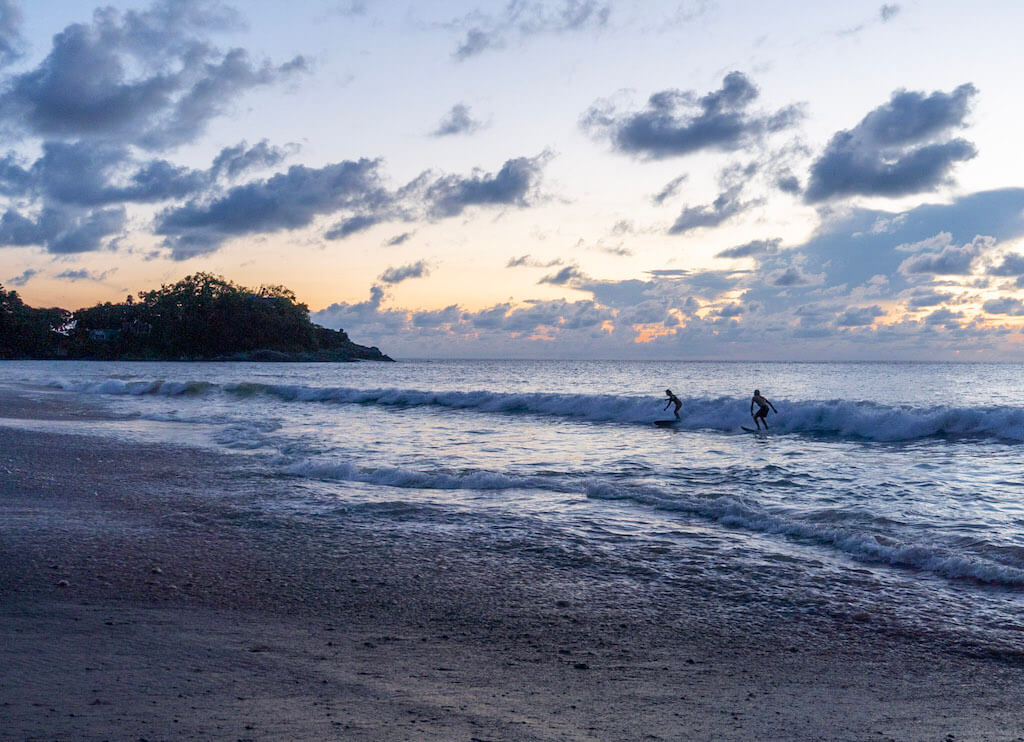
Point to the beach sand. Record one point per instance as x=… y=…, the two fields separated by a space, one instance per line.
x=148 y=592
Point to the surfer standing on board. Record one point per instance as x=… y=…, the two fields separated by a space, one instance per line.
x=761 y=416
x=673 y=399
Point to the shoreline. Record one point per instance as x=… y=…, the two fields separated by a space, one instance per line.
x=192 y=611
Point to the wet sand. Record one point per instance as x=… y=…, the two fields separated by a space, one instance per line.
x=148 y=592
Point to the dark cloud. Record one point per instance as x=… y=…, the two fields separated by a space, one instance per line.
x=147 y=77
x=23 y=278
x=1011 y=265
x=527 y=260
x=12 y=45
x=90 y=174
x=731 y=310
x=399 y=239
x=671 y=189
x=927 y=298
x=293 y=199
x=233 y=161
x=457 y=121
x=677 y=122
x=860 y=316
x=82 y=275
x=88 y=232
x=95 y=173
x=792 y=276
x=513 y=185
x=620 y=294
x=14 y=179
x=556 y=313
x=61 y=230
x=944 y=317
x=751 y=249
x=525 y=19
x=1006 y=305
x=288 y=200
x=405 y=272
x=901 y=147
x=727 y=205
x=352 y=225
x=567 y=275
x=788 y=183
x=437 y=318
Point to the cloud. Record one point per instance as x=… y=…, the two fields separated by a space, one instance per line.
x=733 y=179
x=751 y=249
x=287 y=200
x=405 y=272
x=525 y=19
x=901 y=147
x=62 y=230
x=514 y=185
x=527 y=260
x=944 y=317
x=94 y=174
x=860 y=316
x=948 y=259
x=294 y=198
x=927 y=298
x=676 y=122
x=457 y=121
x=147 y=78
x=399 y=239
x=723 y=208
x=568 y=274
x=437 y=318
x=888 y=11
x=12 y=45
x=671 y=189
x=23 y=278
x=233 y=161
x=792 y=276
x=1011 y=265
x=1006 y=305
x=83 y=275
x=352 y=225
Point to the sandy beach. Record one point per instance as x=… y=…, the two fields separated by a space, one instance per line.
x=148 y=592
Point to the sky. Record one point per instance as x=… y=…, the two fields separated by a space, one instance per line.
x=691 y=179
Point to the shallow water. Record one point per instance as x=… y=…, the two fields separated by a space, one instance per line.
x=894 y=483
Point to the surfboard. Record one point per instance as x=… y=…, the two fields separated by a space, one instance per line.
x=667 y=423
x=752 y=430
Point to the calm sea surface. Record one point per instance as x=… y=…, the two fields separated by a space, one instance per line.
x=879 y=483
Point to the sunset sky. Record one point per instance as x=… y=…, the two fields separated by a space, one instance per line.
x=569 y=178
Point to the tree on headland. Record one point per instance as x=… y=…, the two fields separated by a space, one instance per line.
x=202 y=316
x=28 y=332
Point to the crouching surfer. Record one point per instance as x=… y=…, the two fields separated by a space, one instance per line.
x=762 y=409
x=673 y=399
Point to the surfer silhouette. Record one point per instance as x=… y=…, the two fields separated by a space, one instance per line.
x=761 y=416
x=673 y=399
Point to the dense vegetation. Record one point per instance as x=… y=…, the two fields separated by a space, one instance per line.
x=199 y=317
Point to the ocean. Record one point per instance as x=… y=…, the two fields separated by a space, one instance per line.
x=883 y=492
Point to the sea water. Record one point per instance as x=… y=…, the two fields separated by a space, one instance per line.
x=894 y=485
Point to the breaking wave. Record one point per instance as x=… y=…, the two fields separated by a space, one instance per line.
x=835 y=418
